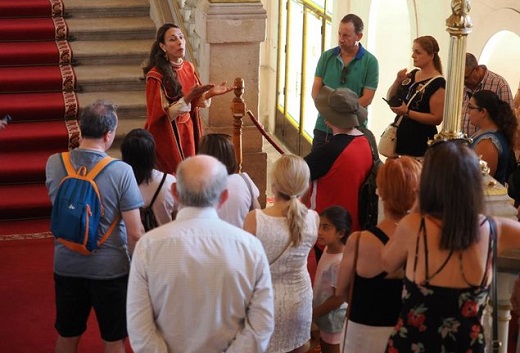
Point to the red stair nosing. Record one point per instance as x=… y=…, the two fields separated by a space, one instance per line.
x=34 y=135
x=24 y=201
x=25 y=228
x=34 y=53
x=30 y=8
x=24 y=29
x=23 y=167
x=33 y=106
x=35 y=79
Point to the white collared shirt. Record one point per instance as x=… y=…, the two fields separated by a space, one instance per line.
x=199 y=285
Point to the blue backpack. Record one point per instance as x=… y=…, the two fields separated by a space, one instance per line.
x=77 y=208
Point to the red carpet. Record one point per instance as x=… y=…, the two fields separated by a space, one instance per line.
x=37 y=86
x=30 y=8
x=27 y=297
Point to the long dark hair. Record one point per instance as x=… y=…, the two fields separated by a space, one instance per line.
x=138 y=150
x=159 y=60
x=500 y=112
x=221 y=147
x=451 y=190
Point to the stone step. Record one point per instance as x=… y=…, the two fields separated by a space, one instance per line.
x=111 y=40
x=124 y=52
x=94 y=78
x=130 y=104
x=116 y=28
x=106 y=8
x=124 y=127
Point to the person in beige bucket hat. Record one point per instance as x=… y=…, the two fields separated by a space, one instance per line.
x=339 y=167
x=340 y=107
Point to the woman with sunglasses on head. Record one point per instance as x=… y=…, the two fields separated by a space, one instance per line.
x=495 y=137
x=419 y=97
x=174 y=94
x=446 y=248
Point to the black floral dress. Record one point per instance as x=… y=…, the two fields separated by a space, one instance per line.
x=441 y=319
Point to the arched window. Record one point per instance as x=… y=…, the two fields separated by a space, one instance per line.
x=500 y=55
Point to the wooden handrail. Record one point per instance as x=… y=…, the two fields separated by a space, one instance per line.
x=238 y=107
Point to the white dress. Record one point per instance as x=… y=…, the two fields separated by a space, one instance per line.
x=291 y=281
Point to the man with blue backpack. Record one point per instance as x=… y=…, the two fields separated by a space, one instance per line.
x=96 y=223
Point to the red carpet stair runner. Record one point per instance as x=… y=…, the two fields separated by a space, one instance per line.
x=37 y=85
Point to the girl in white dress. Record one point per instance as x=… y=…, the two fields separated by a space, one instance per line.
x=329 y=310
x=288 y=231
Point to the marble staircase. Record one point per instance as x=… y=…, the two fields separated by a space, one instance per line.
x=110 y=41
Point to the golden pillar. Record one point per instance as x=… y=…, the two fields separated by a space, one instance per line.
x=459 y=26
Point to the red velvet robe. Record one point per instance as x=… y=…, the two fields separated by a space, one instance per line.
x=177 y=140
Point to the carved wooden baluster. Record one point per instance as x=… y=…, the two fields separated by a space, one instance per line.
x=238 y=106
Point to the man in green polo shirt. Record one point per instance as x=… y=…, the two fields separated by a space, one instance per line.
x=348 y=65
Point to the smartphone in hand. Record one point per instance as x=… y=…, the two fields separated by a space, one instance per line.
x=394 y=101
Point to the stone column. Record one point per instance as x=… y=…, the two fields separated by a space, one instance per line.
x=234 y=31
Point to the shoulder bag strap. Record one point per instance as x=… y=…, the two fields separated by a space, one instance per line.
x=252 y=206
x=371 y=142
x=411 y=99
x=422 y=89
x=351 y=288
x=283 y=252
x=157 y=191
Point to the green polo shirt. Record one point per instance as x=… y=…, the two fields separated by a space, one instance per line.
x=362 y=72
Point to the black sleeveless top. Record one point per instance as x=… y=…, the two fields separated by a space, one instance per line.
x=441 y=319
x=376 y=301
x=413 y=136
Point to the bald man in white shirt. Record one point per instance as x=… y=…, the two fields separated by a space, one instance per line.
x=199 y=284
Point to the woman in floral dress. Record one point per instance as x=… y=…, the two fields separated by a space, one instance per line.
x=447 y=249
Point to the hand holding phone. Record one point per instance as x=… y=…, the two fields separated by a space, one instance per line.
x=394 y=101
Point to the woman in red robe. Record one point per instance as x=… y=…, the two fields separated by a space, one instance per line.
x=174 y=95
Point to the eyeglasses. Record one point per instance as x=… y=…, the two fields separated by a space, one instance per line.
x=470 y=107
x=344 y=73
